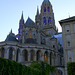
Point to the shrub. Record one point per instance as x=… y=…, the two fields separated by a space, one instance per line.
x=43 y=67
x=9 y=67
x=71 y=68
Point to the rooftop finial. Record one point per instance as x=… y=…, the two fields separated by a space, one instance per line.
x=69 y=15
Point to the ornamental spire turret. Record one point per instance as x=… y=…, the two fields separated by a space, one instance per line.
x=22 y=19
x=11 y=31
x=37 y=10
x=21 y=22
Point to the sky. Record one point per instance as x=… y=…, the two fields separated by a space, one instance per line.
x=11 y=10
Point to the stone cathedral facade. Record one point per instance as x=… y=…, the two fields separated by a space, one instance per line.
x=36 y=41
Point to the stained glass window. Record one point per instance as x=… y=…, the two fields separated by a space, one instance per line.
x=44 y=20
x=49 y=20
x=44 y=9
x=48 y=9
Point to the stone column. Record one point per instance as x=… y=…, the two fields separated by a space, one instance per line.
x=21 y=56
x=29 y=55
x=49 y=58
x=7 y=54
x=35 y=56
x=42 y=55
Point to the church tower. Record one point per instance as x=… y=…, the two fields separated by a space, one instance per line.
x=46 y=18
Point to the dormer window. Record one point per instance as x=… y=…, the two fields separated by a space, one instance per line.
x=44 y=9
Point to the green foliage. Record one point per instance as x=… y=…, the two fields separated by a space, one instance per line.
x=9 y=67
x=43 y=67
x=71 y=68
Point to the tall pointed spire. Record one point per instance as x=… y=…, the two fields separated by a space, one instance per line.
x=22 y=15
x=11 y=31
x=37 y=10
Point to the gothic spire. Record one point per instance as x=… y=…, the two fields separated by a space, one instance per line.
x=37 y=10
x=11 y=31
x=22 y=15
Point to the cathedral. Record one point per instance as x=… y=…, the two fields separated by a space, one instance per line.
x=36 y=41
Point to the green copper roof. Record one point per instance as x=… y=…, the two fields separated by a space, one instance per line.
x=46 y=2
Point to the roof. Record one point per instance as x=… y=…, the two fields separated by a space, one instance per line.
x=11 y=37
x=67 y=19
x=46 y=2
x=30 y=23
x=59 y=38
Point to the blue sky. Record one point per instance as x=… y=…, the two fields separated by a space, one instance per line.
x=11 y=10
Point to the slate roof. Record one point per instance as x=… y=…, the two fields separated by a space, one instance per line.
x=59 y=38
x=11 y=37
x=67 y=19
x=30 y=23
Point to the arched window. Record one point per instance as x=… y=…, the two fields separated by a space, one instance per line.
x=68 y=43
x=44 y=20
x=44 y=9
x=46 y=56
x=49 y=20
x=38 y=55
x=26 y=55
x=10 y=53
x=32 y=55
x=17 y=55
x=2 y=52
x=48 y=9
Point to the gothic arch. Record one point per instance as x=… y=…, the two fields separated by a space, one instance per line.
x=11 y=53
x=2 y=52
x=32 y=55
x=25 y=55
x=44 y=9
x=46 y=56
x=38 y=55
x=60 y=72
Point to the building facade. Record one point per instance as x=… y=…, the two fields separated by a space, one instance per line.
x=68 y=32
x=36 y=41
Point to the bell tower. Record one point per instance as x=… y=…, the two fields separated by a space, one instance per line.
x=47 y=18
